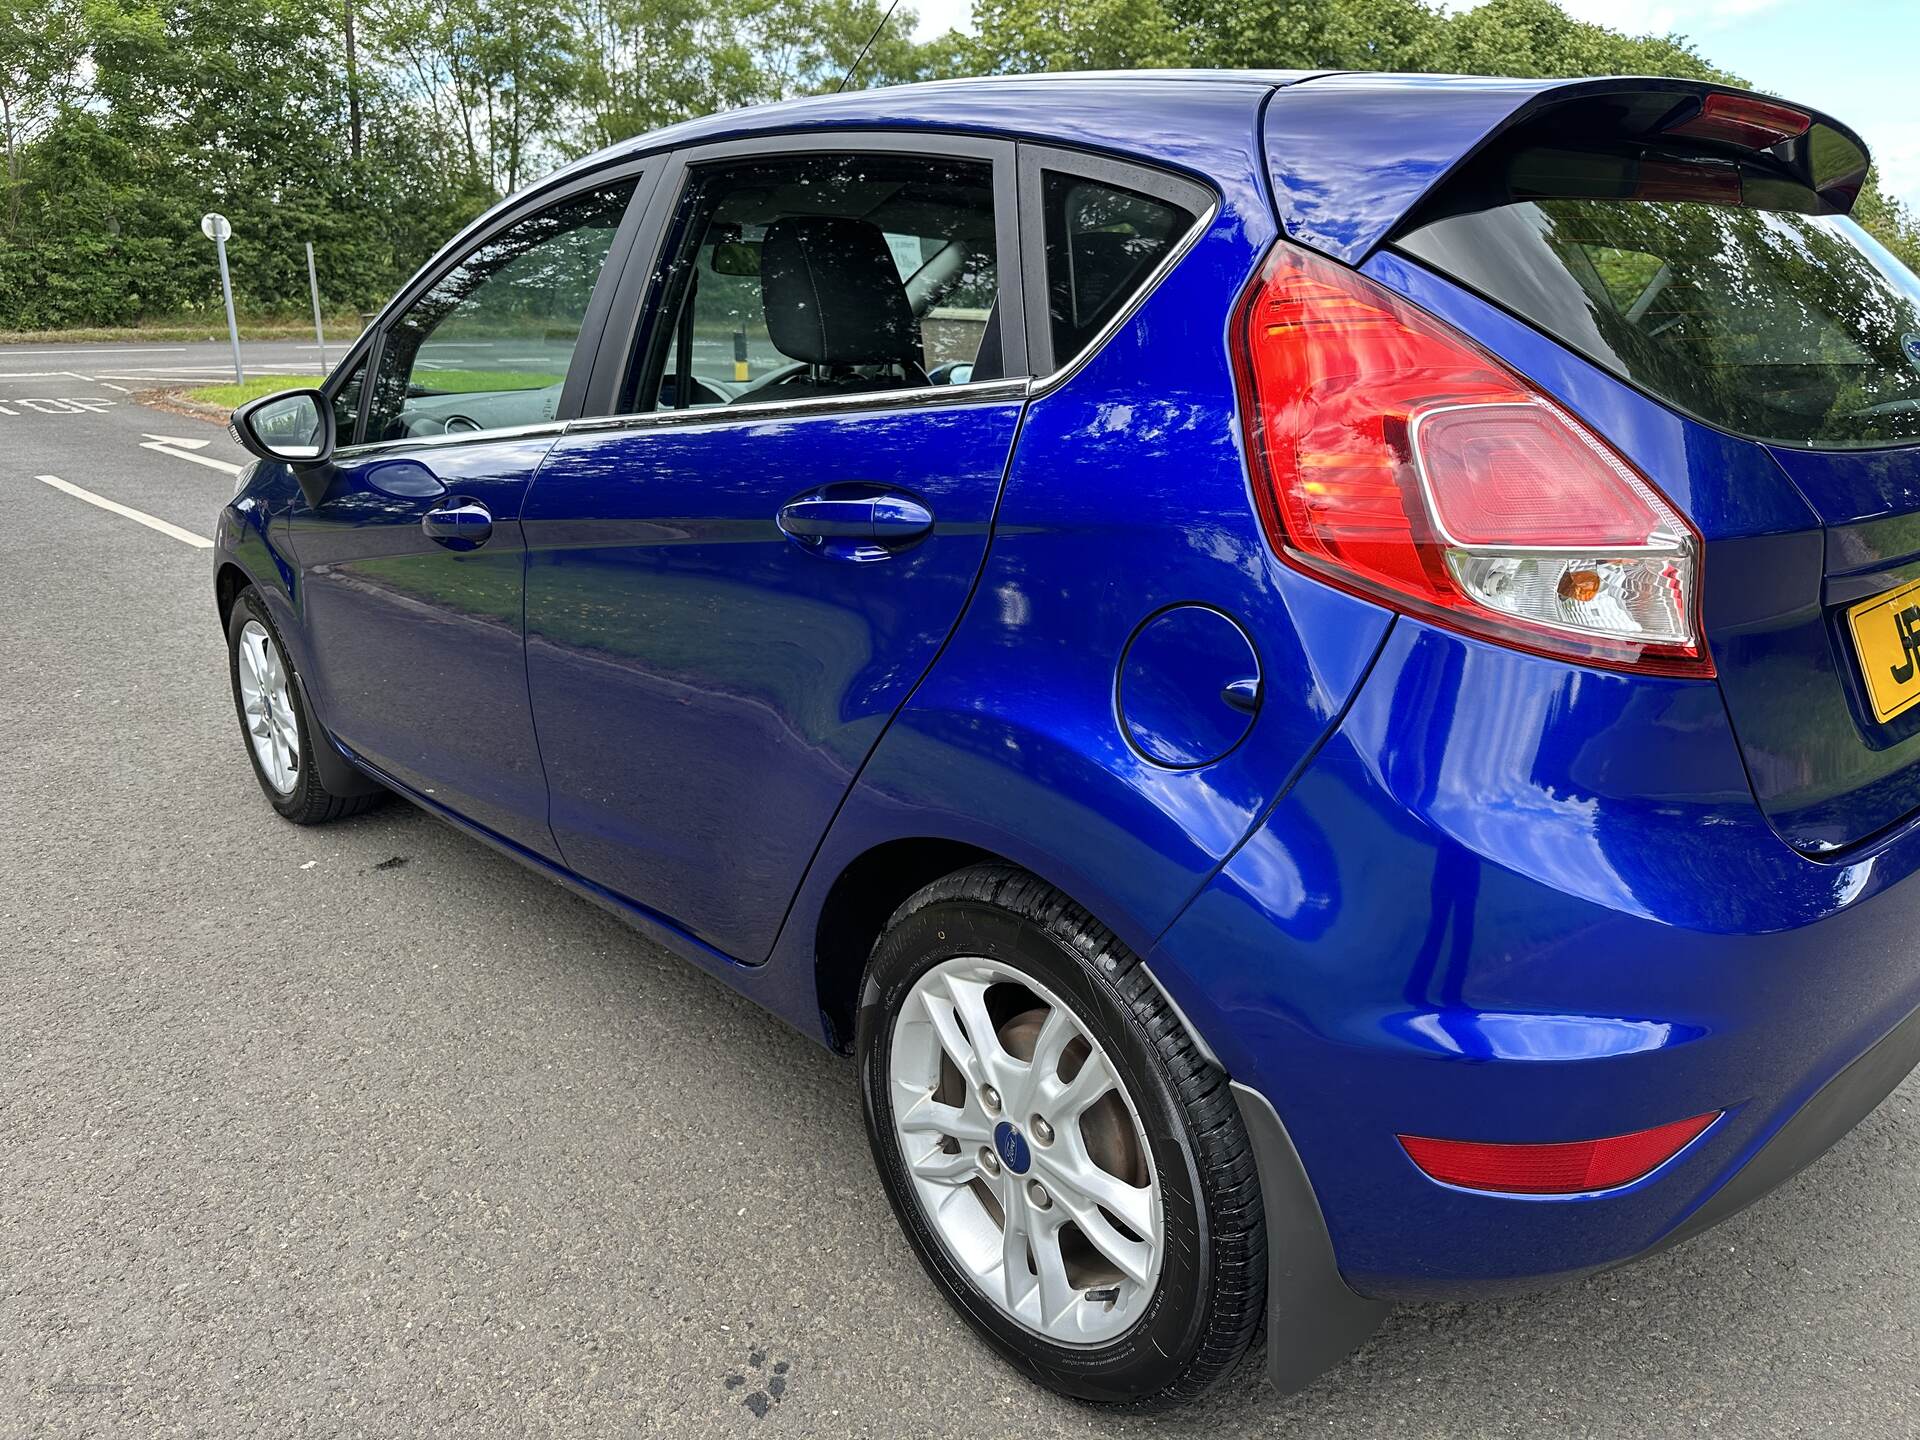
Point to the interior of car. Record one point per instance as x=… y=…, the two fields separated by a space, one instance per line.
x=831 y=275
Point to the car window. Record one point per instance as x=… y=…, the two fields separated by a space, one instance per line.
x=346 y=405
x=827 y=275
x=1721 y=289
x=1103 y=244
x=489 y=345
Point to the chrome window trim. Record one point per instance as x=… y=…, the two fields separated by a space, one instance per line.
x=924 y=397
x=458 y=437
x=1047 y=384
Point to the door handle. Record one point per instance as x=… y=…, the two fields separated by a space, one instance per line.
x=860 y=526
x=819 y=518
x=459 y=525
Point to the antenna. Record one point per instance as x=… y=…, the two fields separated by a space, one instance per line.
x=866 y=47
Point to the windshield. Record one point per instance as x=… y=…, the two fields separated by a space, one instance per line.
x=1719 y=292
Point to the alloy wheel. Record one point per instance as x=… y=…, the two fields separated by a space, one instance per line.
x=1026 y=1153
x=266 y=699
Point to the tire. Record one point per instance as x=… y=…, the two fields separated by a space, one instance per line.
x=1112 y=1341
x=292 y=785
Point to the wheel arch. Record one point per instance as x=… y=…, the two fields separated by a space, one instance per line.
x=857 y=907
x=228 y=581
x=874 y=884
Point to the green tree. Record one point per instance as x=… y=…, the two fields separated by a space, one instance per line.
x=492 y=75
x=41 y=46
x=1309 y=35
x=647 y=63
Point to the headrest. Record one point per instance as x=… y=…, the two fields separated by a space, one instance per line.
x=833 y=295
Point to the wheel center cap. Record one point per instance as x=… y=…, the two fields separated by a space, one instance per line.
x=1012 y=1147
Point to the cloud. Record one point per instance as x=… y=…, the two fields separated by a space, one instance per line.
x=936 y=17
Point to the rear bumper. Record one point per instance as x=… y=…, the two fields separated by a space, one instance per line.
x=1516 y=901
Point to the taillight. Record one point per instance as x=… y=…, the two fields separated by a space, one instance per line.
x=1394 y=457
x=1744 y=120
x=1569 y=1168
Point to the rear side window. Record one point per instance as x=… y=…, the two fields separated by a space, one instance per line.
x=809 y=277
x=1726 y=291
x=1103 y=244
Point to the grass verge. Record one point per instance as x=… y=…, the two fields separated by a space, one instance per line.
x=341 y=331
x=230 y=397
x=441 y=382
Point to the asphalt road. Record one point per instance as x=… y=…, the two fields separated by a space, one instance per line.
x=364 y=1130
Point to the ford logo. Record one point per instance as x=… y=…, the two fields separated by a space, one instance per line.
x=1012 y=1147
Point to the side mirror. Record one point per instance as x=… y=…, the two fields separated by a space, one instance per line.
x=294 y=427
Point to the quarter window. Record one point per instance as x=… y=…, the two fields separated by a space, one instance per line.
x=1103 y=244
x=346 y=406
x=828 y=275
x=489 y=345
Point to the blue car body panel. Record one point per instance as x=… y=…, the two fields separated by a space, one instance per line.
x=417 y=652
x=1432 y=886
x=662 y=591
x=1468 y=918
x=1771 y=594
x=1127 y=494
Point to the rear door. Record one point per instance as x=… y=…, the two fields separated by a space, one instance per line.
x=735 y=581
x=410 y=552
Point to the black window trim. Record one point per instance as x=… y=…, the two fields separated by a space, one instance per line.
x=1201 y=201
x=644 y=172
x=643 y=285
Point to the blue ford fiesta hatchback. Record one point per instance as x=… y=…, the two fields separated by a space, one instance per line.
x=1317 y=675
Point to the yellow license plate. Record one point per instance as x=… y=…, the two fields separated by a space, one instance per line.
x=1886 y=636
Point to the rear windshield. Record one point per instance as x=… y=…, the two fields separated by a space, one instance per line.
x=1725 y=291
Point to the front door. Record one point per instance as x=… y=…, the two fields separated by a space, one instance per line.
x=732 y=588
x=412 y=563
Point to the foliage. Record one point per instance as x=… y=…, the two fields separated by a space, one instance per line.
x=1499 y=37
x=376 y=128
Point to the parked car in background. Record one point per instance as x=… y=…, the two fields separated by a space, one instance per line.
x=1318 y=676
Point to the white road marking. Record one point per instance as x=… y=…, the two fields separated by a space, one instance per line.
x=5 y=411
x=139 y=517
x=224 y=465
x=48 y=405
x=180 y=441
x=205 y=374
x=102 y=350
x=121 y=388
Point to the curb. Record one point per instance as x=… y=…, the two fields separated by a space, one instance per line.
x=175 y=402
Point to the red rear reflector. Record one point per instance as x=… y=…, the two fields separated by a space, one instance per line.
x=1744 y=120
x=1567 y=1169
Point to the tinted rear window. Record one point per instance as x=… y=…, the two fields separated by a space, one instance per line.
x=1726 y=292
x=1103 y=243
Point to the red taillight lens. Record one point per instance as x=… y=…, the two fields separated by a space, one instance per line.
x=1396 y=458
x=1744 y=120
x=1568 y=1169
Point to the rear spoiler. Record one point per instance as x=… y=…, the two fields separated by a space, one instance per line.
x=1352 y=156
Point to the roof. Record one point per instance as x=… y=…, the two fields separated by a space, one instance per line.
x=992 y=104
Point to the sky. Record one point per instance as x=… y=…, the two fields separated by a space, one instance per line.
x=1853 y=59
